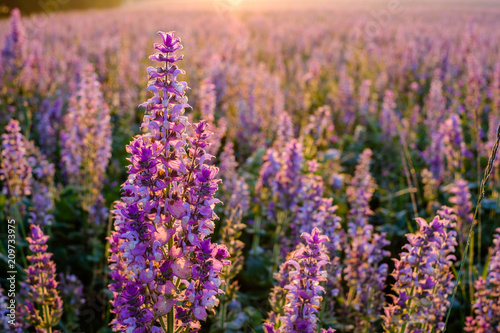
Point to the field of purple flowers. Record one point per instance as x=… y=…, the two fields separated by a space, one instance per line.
x=313 y=170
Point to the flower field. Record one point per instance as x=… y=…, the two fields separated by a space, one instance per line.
x=226 y=169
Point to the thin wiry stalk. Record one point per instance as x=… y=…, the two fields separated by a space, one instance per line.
x=484 y=182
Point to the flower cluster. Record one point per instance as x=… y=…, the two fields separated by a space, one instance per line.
x=455 y=149
x=48 y=126
x=364 y=98
x=486 y=307
x=235 y=188
x=320 y=126
x=86 y=139
x=44 y=305
x=303 y=273
x=289 y=176
x=360 y=191
x=364 y=272
x=435 y=104
x=423 y=277
x=434 y=155
x=364 y=275
x=285 y=131
x=14 y=50
x=388 y=116
x=462 y=207
x=4 y=311
x=430 y=188
x=208 y=101
x=42 y=186
x=163 y=260
x=15 y=169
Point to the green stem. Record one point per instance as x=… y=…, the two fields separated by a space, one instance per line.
x=171 y=314
x=484 y=182
x=256 y=236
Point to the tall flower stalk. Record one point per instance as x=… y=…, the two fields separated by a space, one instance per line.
x=364 y=272
x=486 y=318
x=303 y=273
x=168 y=273
x=14 y=51
x=15 y=169
x=424 y=278
x=86 y=141
x=44 y=305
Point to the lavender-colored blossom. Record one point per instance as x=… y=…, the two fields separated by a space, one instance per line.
x=164 y=262
x=14 y=50
x=434 y=155
x=320 y=126
x=364 y=99
x=388 y=116
x=86 y=140
x=486 y=307
x=207 y=105
x=303 y=273
x=435 y=104
x=280 y=175
x=22 y=322
x=41 y=274
x=4 y=311
x=34 y=66
x=462 y=207
x=423 y=277
x=475 y=82
x=271 y=165
x=285 y=131
x=494 y=91
x=42 y=187
x=48 y=126
x=251 y=121
x=346 y=97
x=288 y=178
x=207 y=101
x=454 y=145
x=430 y=188
x=15 y=169
x=360 y=192
x=365 y=274
x=235 y=188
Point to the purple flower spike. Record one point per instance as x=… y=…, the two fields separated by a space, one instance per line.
x=299 y=281
x=486 y=307
x=462 y=207
x=86 y=141
x=235 y=188
x=14 y=51
x=43 y=286
x=162 y=261
x=360 y=192
x=15 y=169
x=424 y=279
x=364 y=272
